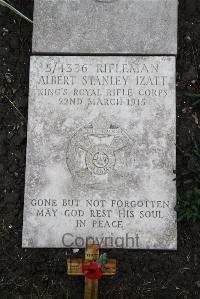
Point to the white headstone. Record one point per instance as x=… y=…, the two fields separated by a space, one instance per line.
x=101 y=152
x=105 y=26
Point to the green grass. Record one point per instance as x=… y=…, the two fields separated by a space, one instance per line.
x=188 y=182
x=194 y=97
x=188 y=206
x=9 y=6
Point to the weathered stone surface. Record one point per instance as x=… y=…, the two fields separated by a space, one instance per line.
x=116 y=26
x=101 y=152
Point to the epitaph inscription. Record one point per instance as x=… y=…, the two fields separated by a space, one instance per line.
x=101 y=153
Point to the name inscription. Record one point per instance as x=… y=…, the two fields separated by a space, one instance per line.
x=110 y=86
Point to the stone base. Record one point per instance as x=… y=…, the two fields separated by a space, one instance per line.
x=108 y=26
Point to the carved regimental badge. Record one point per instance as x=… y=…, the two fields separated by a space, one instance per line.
x=98 y=154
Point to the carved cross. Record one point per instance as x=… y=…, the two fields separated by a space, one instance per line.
x=75 y=267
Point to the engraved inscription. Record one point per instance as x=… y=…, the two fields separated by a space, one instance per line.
x=101 y=152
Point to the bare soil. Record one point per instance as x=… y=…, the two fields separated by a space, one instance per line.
x=41 y=273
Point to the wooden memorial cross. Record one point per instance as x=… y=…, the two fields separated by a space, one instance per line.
x=75 y=267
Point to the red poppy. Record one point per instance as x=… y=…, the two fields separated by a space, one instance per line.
x=92 y=270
